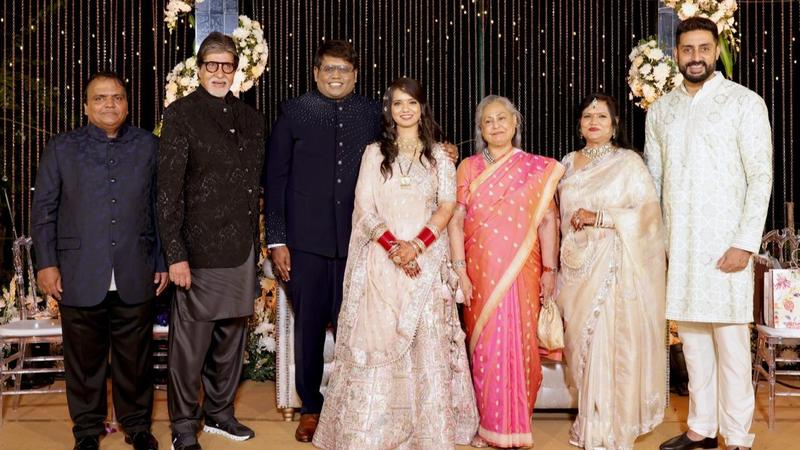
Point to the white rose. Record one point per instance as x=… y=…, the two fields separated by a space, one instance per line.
x=638 y=61
x=243 y=63
x=240 y=33
x=661 y=72
x=191 y=63
x=172 y=88
x=633 y=54
x=246 y=51
x=260 y=48
x=656 y=54
x=185 y=81
x=645 y=69
x=247 y=85
x=245 y=21
x=268 y=343
x=688 y=9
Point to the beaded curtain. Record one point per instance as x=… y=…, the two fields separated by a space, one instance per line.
x=544 y=55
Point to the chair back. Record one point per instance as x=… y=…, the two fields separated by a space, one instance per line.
x=27 y=303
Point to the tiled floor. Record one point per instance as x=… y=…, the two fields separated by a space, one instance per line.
x=42 y=423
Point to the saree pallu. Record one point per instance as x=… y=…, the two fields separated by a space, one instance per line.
x=505 y=203
x=611 y=292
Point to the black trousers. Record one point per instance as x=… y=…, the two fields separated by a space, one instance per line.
x=210 y=354
x=89 y=334
x=315 y=290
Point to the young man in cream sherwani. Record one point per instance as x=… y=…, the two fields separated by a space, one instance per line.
x=709 y=150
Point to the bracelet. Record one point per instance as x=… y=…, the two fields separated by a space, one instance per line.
x=459 y=264
x=549 y=269
x=426 y=236
x=419 y=246
x=597 y=218
x=387 y=240
x=378 y=230
x=434 y=229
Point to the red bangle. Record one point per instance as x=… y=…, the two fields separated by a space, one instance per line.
x=387 y=240
x=426 y=236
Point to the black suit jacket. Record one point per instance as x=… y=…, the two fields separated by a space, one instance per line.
x=313 y=158
x=94 y=210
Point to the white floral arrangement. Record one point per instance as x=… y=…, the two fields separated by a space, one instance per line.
x=652 y=73
x=721 y=13
x=182 y=80
x=177 y=8
x=253 y=53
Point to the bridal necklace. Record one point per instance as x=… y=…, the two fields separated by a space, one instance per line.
x=595 y=153
x=404 y=147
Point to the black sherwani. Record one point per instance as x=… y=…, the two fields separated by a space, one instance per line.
x=209 y=169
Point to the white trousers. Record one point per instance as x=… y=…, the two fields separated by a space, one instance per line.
x=720 y=390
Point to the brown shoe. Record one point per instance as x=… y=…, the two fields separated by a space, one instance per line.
x=307 y=427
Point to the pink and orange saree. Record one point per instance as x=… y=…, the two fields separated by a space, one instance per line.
x=504 y=204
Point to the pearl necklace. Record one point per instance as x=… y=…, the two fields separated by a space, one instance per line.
x=596 y=153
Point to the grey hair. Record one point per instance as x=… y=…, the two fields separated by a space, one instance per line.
x=480 y=144
x=217 y=42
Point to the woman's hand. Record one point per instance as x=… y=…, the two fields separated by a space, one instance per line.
x=411 y=268
x=465 y=284
x=548 y=284
x=581 y=218
x=402 y=253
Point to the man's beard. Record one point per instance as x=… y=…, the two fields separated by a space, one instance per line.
x=696 y=78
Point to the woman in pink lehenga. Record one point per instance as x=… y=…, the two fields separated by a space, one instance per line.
x=401 y=377
x=504 y=238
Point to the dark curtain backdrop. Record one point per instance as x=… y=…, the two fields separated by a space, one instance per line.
x=544 y=55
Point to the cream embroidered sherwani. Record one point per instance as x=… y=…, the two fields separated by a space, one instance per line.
x=711 y=157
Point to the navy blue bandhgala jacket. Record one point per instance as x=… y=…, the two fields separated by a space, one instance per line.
x=313 y=158
x=94 y=210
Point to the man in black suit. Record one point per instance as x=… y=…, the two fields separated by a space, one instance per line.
x=313 y=159
x=98 y=254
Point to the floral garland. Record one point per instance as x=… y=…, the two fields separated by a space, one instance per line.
x=253 y=53
x=175 y=9
x=652 y=73
x=721 y=13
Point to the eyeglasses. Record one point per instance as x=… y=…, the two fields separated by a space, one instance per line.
x=342 y=69
x=213 y=66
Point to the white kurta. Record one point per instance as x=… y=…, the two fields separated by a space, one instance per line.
x=711 y=158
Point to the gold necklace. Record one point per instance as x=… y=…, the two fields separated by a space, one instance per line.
x=405 y=146
x=405 y=175
x=595 y=153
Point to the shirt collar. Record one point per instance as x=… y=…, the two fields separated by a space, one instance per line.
x=707 y=87
x=99 y=134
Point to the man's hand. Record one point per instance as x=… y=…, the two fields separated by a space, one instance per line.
x=452 y=151
x=281 y=262
x=162 y=280
x=49 y=280
x=734 y=260
x=180 y=274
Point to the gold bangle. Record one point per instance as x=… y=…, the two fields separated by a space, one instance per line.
x=420 y=246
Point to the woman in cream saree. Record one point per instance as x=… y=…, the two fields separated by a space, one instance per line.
x=401 y=376
x=611 y=285
x=505 y=251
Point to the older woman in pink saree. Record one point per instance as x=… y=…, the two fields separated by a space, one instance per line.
x=504 y=241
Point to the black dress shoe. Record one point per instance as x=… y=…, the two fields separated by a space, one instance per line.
x=183 y=441
x=142 y=440
x=682 y=442
x=87 y=443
